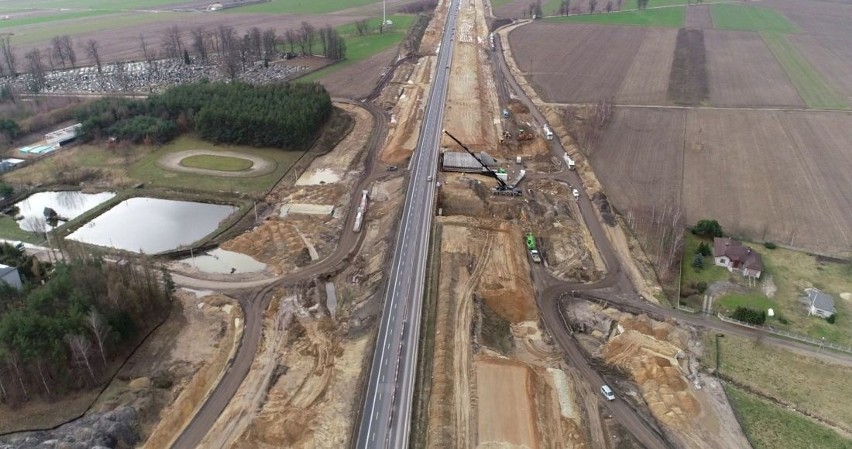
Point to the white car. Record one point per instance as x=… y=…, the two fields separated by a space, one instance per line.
x=607 y=392
x=429 y=178
x=576 y=194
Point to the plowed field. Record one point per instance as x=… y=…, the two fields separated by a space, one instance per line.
x=743 y=72
x=647 y=79
x=575 y=63
x=698 y=16
x=765 y=175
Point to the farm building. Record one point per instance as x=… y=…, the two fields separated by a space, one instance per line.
x=62 y=136
x=464 y=162
x=9 y=275
x=732 y=255
x=9 y=164
x=820 y=304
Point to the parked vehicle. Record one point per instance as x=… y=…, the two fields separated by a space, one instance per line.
x=607 y=392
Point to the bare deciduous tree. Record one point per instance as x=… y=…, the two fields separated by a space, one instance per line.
x=70 y=54
x=100 y=329
x=199 y=43
x=81 y=349
x=93 y=49
x=172 y=44
x=35 y=66
x=361 y=27
x=307 y=37
x=8 y=55
x=58 y=50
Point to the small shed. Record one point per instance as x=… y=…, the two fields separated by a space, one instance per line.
x=820 y=304
x=9 y=275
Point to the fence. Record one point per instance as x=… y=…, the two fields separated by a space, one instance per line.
x=790 y=335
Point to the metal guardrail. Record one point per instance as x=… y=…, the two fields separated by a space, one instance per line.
x=787 y=334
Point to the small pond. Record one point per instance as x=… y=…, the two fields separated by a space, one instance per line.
x=152 y=225
x=68 y=206
x=223 y=261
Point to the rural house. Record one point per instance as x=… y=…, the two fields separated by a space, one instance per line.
x=9 y=275
x=732 y=255
x=820 y=304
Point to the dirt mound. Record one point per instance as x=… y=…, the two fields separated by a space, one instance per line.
x=653 y=365
x=505 y=286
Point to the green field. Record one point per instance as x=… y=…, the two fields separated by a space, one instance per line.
x=214 y=162
x=689 y=274
x=111 y=5
x=359 y=48
x=808 y=383
x=660 y=17
x=769 y=426
x=728 y=303
x=812 y=88
x=34 y=20
x=45 y=32
x=300 y=6
x=9 y=230
x=750 y=18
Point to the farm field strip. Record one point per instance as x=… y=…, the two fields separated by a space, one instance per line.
x=750 y=18
x=688 y=83
x=647 y=79
x=663 y=16
x=112 y=5
x=698 y=16
x=756 y=80
x=299 y=7
x=47 y=19
x=832 y=57
x=813 y=89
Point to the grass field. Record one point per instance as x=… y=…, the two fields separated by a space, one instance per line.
x=662 y=17
x=750 y=18
x=359 y=48
x=90 y=24
x=9 y=230
x=689 y=274
x=90 y=4
x=728 y=303
x=300 y=6
x=33 y=20
x=213 y=162
x=809 y=384
x=768 y=426
x=140 y=166
x=810 y=84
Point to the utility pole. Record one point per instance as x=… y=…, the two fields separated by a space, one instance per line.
x=384 y=16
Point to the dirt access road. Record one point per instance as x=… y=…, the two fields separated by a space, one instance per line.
x=257 y=295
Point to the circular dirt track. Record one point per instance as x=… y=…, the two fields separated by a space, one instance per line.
x=261 y=165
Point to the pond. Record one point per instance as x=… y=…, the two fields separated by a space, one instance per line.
x=152 y=225
x=68 y=206
x=223 y=261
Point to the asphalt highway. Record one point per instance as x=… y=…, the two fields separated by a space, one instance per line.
x=386 y=417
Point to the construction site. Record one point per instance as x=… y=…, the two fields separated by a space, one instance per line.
x=544 y=323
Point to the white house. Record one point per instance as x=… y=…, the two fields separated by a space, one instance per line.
x=9 y=275
x=732 y=255
x=821 y=304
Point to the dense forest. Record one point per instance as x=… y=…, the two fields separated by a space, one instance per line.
x=62 y=335
x=278 y=115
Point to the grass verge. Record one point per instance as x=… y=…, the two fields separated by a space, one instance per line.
x=9 y=230
x=214 y=162
x=768 y=426
x=808 y=384
x=750 y=18
x=728 y=303
x=812 y=88
x=660 y=17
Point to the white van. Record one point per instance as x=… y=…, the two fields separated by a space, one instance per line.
x=607 y=392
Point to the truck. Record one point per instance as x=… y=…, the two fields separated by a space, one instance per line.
x=505 y=113
x=531 y=247
x=547 y=132
x=569 y=162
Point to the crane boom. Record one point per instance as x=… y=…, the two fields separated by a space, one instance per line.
x=492 y=173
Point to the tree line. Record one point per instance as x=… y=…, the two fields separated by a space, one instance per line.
x=233 y=53
x=61 y=336
x=276 y=115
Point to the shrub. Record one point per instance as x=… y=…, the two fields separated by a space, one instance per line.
x=750 y=316
x=832 y=318
x=710 y=228
x=703 y=249
x=698 y=261
x=770 y=245
x=701 y=287
x=783 y=320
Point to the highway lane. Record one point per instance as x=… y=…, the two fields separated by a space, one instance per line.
x=386 y=416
